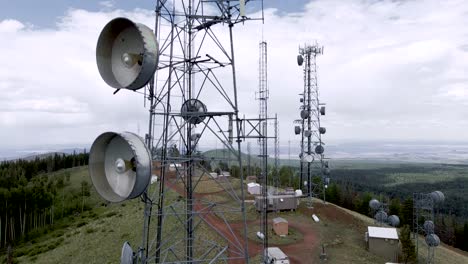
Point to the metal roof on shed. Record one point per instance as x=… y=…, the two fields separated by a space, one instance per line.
x=382 y=232
x=279 y=220
x=276 y=252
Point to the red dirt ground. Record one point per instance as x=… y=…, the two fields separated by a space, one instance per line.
x=299 y=253
x=302 y=252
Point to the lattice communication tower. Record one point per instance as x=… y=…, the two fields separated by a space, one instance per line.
x=312 y=158
x=187 y=69
x=424 y=205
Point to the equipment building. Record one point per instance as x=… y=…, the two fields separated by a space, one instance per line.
x=384 y=242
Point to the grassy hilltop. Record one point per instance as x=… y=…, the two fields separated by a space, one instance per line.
x=97 y=235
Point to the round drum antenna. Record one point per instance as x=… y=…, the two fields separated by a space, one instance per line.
x=126 y=54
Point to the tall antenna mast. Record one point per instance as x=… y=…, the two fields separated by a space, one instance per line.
x=249 y=159
x=262 y=97
x=312 y=157
x=256 y=128
x=277 y=151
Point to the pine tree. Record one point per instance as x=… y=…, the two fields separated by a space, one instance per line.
x=407 y=246
x=394 y=208
x=407 y=212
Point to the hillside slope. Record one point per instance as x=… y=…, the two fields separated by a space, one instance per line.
x=97 y=236
x=443 y=253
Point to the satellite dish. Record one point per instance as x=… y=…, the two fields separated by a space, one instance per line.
x=193 y=111
x=301 y=100
x=300 y=60
x=119 y=166
x=319 y=149
x=326 y=171
x=374 y=204
x=437 y=197
x=327 y=181
x=307 y=133
x=429 y=227
x=305 y=183
x=308 y=158
x=322 y=130
x=297 y=130
x=126 y=54
x=322 y=110
x=432 y=240
x=394 y=220
x=381 y=216
x=127 y=254
x=304 y=114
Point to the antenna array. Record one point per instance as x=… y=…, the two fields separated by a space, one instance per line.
x=193 y=104
x=312 y=158
x=424 y=205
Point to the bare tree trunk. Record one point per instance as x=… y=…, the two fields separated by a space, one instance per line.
x=12 y=226
x=9 y=255
x=24 y=219
x=21 y=221
x=6 y=221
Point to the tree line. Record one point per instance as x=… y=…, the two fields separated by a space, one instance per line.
x=32 y=196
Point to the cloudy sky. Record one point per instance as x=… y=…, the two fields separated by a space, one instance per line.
x=391 y=70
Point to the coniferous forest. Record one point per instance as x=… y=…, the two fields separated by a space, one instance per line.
x=31 y=196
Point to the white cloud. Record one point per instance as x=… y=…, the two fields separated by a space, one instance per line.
x=10 y=26
x=391 y=70
x=107 y=4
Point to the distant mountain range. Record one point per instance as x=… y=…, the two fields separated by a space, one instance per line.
x=430 y=152
x=32 y=153
x=425 y=152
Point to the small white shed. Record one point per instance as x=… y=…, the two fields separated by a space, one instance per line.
x=254 y=188
x=383 y=241
x=276 y=256
x=225 y=174
x=175 y=166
